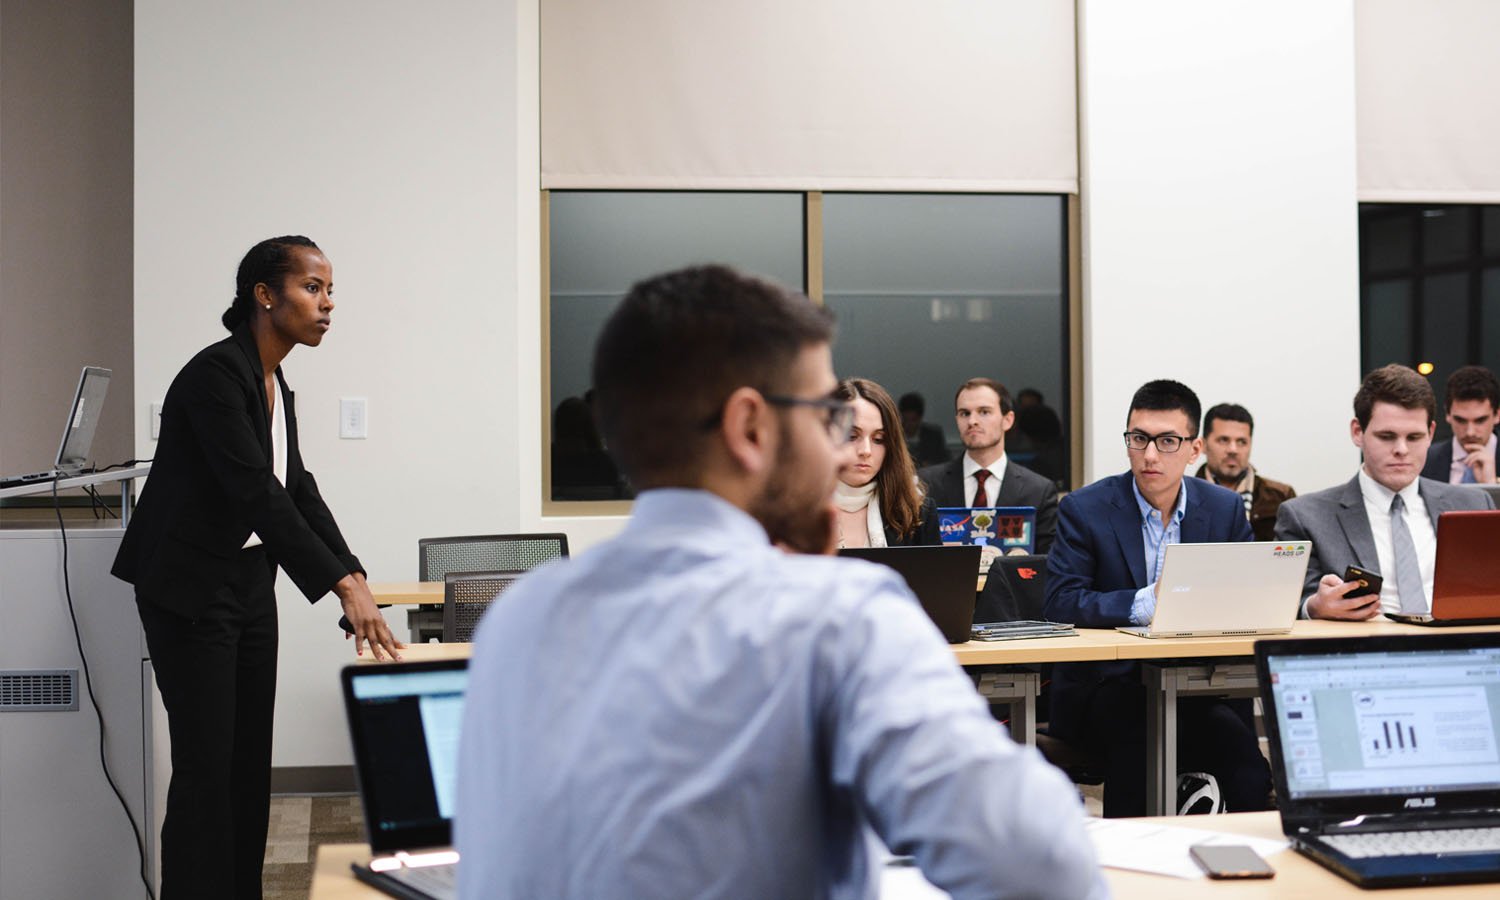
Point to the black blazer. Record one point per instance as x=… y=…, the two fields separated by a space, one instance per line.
x=211 y=484
x=1021 y=487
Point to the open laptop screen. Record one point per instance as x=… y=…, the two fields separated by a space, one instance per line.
x=404 y=721
x=1385 y=721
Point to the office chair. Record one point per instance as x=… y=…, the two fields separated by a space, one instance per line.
x=466 y=595
x=436 y=557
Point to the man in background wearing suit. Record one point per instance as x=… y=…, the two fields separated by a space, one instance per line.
x=1384 y=519
x=983 y=476
x=1102 y=572
x=1471 y=404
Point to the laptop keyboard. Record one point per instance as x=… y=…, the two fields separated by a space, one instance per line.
x=1415 y=843
x=436 y=881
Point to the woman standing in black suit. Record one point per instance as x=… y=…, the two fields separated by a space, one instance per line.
x=226 y=504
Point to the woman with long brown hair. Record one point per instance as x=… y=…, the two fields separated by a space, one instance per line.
x=880 y=503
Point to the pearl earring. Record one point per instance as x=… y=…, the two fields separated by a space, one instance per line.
x=268 y=306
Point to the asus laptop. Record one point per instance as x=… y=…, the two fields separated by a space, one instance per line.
x=78 y=430
x=1223 y=589
x=404 y=721
x=1466 y=576
x=1011 y=528
x=1386 y=754
x=943 y=578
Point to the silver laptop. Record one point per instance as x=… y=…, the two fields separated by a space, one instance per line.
x=78 y=431
x=1221 y=589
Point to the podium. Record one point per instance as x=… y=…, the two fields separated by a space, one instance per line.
x=55 y=806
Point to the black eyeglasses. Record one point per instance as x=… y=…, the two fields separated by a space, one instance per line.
x=1167 y=442
x=838 y=414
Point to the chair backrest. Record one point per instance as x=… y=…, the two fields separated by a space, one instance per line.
x=436 y=557
x=466 y=595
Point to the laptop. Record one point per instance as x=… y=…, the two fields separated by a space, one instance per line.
x=1222 y=589
x=1011 y=528
x=1386 y=754
x=404 y=721
x=78 y=430
x=942 y=577
x=1466 y=576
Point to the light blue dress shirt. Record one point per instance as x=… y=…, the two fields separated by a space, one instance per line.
x=685 y=711
x=1156 y=535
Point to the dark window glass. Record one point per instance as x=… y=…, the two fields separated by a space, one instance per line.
x=1388 y=243
x=933 y=289
x=1388 y=324
x=602 y=242
x=1445 y=234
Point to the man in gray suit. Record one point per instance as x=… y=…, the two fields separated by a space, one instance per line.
x=1383 y=520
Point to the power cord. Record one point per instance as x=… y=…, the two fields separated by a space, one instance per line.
x=88 y=681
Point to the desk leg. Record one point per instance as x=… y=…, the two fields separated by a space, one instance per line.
x=1020 y=690
x=1161 y=740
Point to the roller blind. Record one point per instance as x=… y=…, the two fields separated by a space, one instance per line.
x=1428 y=123
x=944 y=95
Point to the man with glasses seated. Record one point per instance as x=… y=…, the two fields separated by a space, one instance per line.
x=686 y=710
x=1102 y=572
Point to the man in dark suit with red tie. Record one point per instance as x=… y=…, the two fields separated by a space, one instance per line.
x=983 y=475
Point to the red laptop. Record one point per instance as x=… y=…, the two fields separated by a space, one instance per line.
x=1466 y=580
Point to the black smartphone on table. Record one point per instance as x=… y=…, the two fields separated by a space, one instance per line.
x=1230 y=861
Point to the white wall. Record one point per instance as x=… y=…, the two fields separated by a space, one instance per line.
x=1219 y=221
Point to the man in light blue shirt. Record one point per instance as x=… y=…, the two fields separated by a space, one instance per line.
x=689 y=711
x=1103 y=571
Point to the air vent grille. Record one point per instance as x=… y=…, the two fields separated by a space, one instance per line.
x=38 y=690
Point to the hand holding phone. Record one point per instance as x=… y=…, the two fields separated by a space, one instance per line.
x=1370 y=583
x=1230 y=861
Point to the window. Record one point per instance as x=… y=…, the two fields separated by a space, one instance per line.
x=929 y=290
x=1430 y=288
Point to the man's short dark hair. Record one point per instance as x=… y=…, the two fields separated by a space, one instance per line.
x=1397 y=385
x=1165 y=395
x=1006 y=406
x=1472 y=383
x=1228 y=412
x=912 y=402
x=674 y=350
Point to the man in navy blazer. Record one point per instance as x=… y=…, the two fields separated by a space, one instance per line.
x=1102 y=572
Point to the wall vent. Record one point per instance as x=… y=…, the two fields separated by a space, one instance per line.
x=38 y=690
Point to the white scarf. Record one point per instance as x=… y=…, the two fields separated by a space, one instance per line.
x=853 y=499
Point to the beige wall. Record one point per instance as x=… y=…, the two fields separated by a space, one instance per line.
x=65 y=222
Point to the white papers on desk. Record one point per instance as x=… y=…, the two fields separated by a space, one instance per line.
x=906 y=882
x=1162 y=849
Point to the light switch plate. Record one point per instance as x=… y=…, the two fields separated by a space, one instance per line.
x=156 y=420
x=354 y=423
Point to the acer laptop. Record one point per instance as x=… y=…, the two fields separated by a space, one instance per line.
x=1466 y=576
x=1386 y=754
x=942 y=577
x=404 y=721
x=1222 y=589
x=78 y=431
x=1011 y=528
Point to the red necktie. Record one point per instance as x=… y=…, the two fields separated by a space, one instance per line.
x=981 y=497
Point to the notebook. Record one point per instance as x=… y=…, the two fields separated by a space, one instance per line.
x=943 y=578
x=78 y=430
x=1252 y=587
x=404 y=721
x=1466 y=576
x=1011 y=528
x=1386 y=754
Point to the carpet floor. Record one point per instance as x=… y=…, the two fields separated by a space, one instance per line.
x=298 y=825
